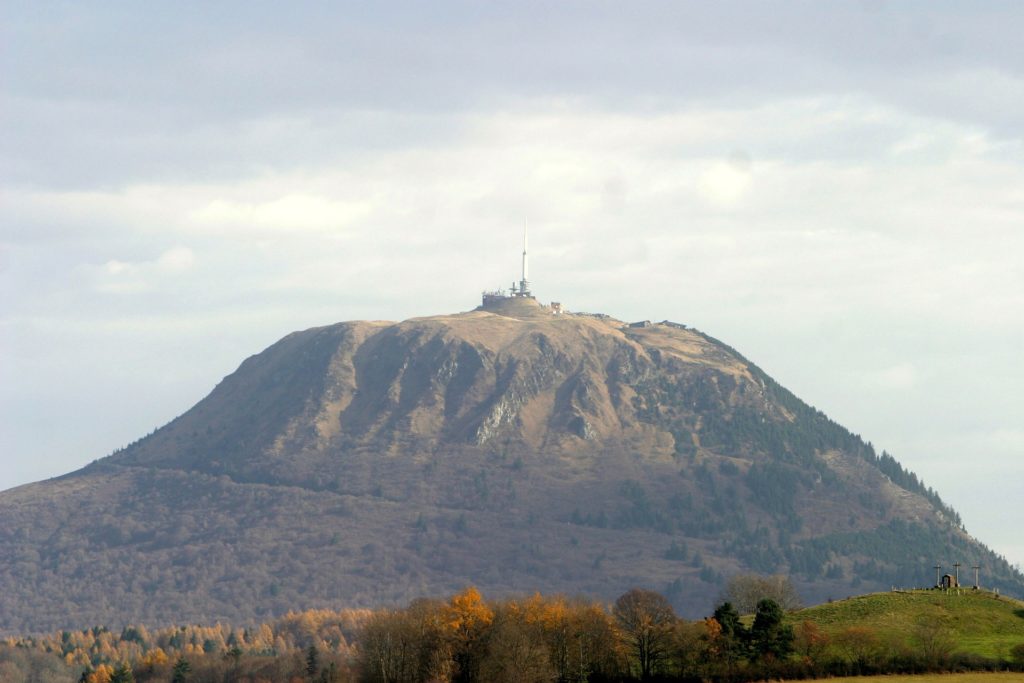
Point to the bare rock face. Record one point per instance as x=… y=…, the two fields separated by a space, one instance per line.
x=371 y=462
x=554 y=384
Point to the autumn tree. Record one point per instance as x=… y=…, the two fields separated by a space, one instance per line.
x=103 y=674
x=594 y=648
x=414 y=644
x=154 y=661
x=466 y=618
x=516 y=651
x=646 y=620
x=691 y=646
x=810 y=640
x=580 y=637
x=860 y=647
x=435 y=654
x=390 y=648
x=23 y=664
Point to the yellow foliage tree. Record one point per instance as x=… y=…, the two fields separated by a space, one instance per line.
x=466 y=618
x=467 y=614
x=153 y=659
x=102 y=674
x=264 y=638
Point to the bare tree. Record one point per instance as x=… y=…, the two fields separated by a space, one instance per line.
x=647 y=621
x=516 y=654
x=935 y=639
x=744 y=591
x=390 y=648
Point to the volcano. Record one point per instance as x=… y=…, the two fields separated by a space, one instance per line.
x=514 y=447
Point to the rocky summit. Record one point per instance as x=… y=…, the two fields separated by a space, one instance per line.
x=512 y=447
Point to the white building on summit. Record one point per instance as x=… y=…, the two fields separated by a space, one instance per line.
x=519 y=291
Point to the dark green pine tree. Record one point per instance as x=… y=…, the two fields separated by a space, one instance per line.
x=312 y=662
x=729 y=619
x=768 y=635
x=122 y=674
x=734 y=635
x=329 y=674
x=181 y=670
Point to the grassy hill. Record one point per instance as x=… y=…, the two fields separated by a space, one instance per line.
x=970 y=677
x=975 y=622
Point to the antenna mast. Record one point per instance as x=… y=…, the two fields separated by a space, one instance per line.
x=524 y=284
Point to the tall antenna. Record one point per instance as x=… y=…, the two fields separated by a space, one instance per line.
x=957 y=565
x=526 y=238
x=938 y=568
x=524 y=284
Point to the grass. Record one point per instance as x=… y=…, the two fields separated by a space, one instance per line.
x=974 y=677
x=980 y=622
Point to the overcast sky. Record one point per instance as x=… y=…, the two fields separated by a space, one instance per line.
x=834 y=189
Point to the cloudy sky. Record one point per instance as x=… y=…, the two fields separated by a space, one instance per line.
x=835 y=189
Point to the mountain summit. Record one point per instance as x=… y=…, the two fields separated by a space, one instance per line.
x=515 y=447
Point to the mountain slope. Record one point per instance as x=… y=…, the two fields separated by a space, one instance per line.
x=369 y=462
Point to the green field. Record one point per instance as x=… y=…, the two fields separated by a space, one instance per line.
x=1000 y=677
x=977 y=622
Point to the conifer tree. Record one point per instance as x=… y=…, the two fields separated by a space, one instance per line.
x=312 y=662
x=122 y=674
x=181 y=670
x=768 y=635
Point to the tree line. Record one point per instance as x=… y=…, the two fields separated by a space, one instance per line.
x=466 y=639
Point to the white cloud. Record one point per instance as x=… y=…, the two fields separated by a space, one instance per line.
x=897 y=377
x=725 y=183
x=176 y=260
x=286 y=214
x=115 y=267
x=121 y=277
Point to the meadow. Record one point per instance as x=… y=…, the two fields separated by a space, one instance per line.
x=974 y=622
